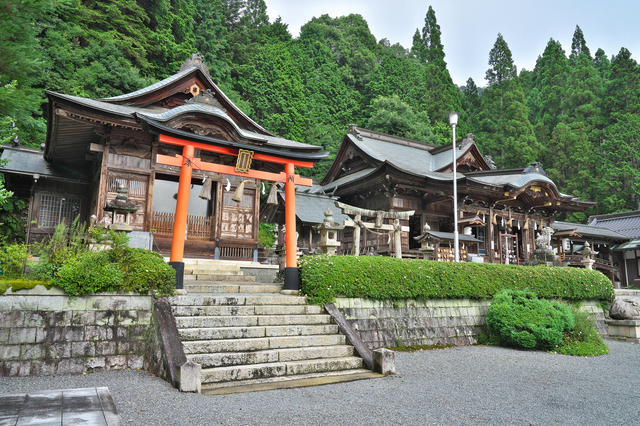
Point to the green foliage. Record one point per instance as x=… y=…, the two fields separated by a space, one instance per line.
x=70 y=261
x=265 y=237
x=384 y=278
x=505 y=131
x=583 y=339
x=12 y=211
x=518 y=318
x=13 y=260
x=144 y=271
x=394 y=117
x=88 y=273
x=135 y=270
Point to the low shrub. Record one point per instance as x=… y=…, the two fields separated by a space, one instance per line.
x=145 y=271
x=584 y=339
x=519 y=318
x=87 y=273
x=128 y=269
x=385 y=278
x=13 y=260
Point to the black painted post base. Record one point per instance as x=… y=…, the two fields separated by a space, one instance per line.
x=291 y=279
x=179 y=267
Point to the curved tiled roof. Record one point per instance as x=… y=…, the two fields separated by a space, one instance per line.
x=514 y=180
x=155 y=86
x=410 y=159
x=590 y=231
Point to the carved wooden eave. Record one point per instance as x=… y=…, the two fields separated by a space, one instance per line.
x=347 y=152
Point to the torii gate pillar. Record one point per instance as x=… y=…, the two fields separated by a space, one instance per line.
x=291 y=272
x=180 y=220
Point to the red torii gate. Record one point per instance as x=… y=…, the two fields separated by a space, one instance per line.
x=186 y=163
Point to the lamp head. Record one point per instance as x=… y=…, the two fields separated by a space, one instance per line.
x=453 y=118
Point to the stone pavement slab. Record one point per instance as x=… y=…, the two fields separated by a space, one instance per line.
x=88 y=406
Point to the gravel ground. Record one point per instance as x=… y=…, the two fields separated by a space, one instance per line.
x=459 y=386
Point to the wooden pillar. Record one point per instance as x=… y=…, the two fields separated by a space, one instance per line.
x=182 y=205
x=356 y=236
x=525 y=239
x=490 y=234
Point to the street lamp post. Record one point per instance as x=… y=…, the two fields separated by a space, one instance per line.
x=453 y=120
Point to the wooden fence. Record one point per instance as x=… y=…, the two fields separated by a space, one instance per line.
x=197 y=226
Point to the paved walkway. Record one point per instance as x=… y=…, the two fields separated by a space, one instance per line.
x=89 y=406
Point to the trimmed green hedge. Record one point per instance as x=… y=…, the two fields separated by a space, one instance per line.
x=386 y=278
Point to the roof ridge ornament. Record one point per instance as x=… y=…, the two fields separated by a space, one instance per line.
x=534 y=168
x=353 y=129
x=196 y=60
x=206 y=97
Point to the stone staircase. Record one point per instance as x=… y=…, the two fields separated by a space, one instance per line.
x=219 y=276
x=244 y=340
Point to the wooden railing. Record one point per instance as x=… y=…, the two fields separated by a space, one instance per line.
x=577 y=260
x=236 y=252
x=197 y=226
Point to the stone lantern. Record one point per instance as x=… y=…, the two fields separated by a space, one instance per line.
x=329 y=233
x=121 y=206
x=427 y=242
x=587 y=256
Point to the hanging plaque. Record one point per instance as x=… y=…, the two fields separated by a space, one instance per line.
x=243 y=163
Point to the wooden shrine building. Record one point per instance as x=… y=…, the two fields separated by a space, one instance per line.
x=164 y=143
x=502 y=209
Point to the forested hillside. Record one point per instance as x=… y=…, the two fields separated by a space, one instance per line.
x=576 y=112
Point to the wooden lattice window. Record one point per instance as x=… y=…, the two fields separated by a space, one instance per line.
x=54 y=209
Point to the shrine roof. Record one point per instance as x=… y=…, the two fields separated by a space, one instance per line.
x=409 y=156
x=345 y=180
x=271 y=148
x=162 y=115
x=28 y=161
x=152 y=88
x=450 y=236
x=310 y=208
x=587 y=231
x=627 y=223
x=514 y=180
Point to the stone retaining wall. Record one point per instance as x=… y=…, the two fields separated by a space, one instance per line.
x=44 y=332
x=428 y=322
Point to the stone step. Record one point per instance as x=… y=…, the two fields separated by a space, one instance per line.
x=239 y=320
x=219 y=333
x=228 y=300
x=278 y=312
x=273 y=355
x=288 y=382
x=230 y=287
x=217 y=321
x=277 y=369
x=208 y=262
x=218 y=278
x=212 y=270
x=260 y=344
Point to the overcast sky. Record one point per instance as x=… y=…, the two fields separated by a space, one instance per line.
x=470 y=27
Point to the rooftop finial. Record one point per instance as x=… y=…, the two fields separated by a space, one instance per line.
x=196 y=60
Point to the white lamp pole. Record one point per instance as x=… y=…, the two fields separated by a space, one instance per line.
x=453 y=120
